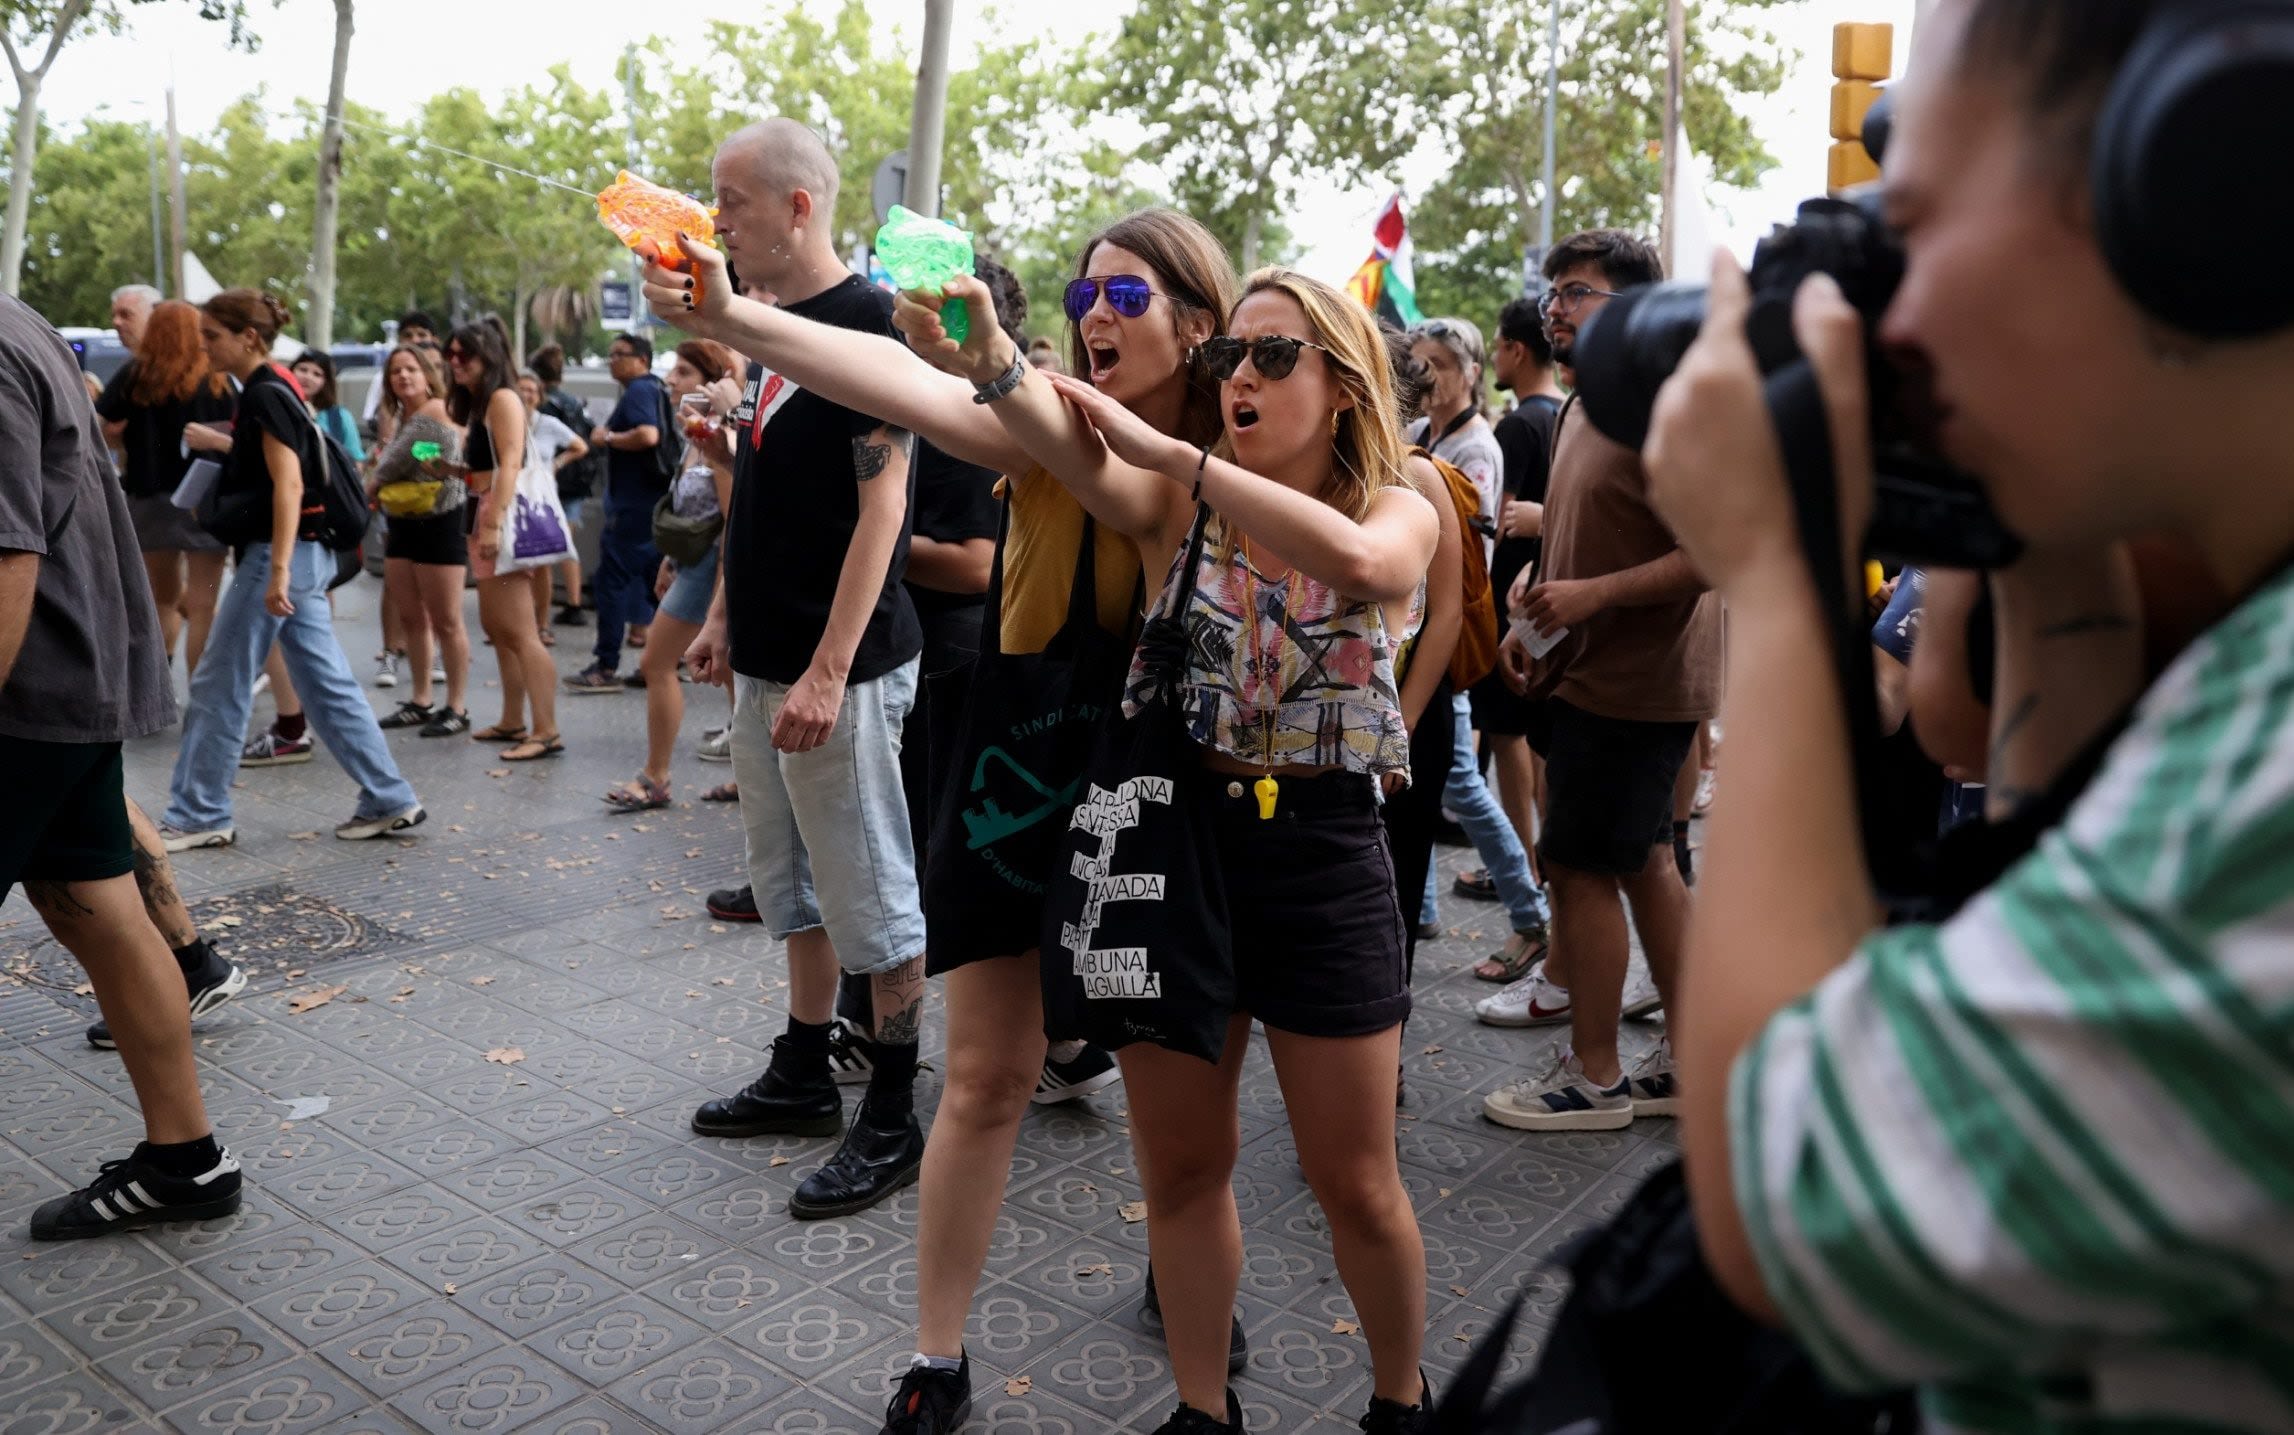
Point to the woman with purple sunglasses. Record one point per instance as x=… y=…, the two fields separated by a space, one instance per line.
x=1149 y=290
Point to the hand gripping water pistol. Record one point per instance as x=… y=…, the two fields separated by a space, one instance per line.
x=923 y=254
x=638 y=210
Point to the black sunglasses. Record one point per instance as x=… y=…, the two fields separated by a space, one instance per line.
x=1127 y=294
x=1274 y=355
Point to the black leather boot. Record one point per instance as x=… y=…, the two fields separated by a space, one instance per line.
x=776 y=1103
x=874 y=1161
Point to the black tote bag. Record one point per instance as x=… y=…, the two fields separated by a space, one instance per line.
x=1028 y=720
x=1136 y=945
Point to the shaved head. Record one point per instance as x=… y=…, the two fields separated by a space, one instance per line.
x=783 y=156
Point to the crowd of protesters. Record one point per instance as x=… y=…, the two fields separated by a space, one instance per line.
x=1128 y=691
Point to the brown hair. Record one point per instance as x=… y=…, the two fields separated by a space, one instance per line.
x=1625 y=257
x=239 y=310
x=171 y=365
x=424 y=359
x=709 y=358
x=1192 y=270
x=548 y=364
x=2060 y=56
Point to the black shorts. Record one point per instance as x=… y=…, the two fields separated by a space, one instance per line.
x=1318 y=936
x=1499 y=711
x=69 y=822
x=1608 y=787
x=442 y=540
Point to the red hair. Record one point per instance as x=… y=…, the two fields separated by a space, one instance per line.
x=172 y=362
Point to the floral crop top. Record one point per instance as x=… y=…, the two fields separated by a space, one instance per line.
x=1286 y=672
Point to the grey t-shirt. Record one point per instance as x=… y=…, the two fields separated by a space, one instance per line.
x=1473 y=449
x=91 y=669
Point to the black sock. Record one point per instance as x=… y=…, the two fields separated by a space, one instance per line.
x=802 y=1052
x=1681 y=852
x=194 y=957
x=183 y=1159
x=892 y=1082
x=290 y=728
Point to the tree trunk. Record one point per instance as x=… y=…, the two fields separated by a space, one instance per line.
x=1251 y=228
x=518 y=304
x=25 y=150
x=319 y=332
x=179 y=207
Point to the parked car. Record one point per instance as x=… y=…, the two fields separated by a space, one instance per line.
x=99 y=350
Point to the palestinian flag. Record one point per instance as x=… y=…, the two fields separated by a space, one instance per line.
x=1383 y=283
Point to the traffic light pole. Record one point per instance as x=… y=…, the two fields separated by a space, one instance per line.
x=928 y=120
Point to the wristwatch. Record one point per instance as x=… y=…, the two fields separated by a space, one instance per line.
x=1004 y=383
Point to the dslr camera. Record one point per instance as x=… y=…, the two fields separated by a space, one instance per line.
x=1924 y=509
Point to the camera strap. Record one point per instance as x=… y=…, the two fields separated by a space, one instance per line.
x=1804 y=434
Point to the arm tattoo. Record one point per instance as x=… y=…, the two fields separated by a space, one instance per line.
x=872 y=452
x=2088 y=624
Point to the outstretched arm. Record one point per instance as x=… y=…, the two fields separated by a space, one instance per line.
x=869 y=373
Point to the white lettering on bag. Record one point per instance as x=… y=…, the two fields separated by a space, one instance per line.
x=1112 y=972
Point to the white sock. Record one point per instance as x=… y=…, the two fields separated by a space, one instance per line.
x=921 y=1361
x=1065 y=1051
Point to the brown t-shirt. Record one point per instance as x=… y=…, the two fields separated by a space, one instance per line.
x=1654 y=664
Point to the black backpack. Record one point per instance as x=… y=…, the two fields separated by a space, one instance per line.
x=669 y=445
x=343 y=511
x=579 y=478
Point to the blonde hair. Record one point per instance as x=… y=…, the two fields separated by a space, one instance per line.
x=1367 y=451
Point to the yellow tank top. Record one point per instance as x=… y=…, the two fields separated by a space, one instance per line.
x=1040 y=552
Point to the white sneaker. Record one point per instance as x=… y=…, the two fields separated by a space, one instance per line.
x=386 y=670
x=1655 y=1090
x=1561 y=1099
x=1641 y=997
x=1529 y=1001
x=358 y=829
x=438 y=672
x=716 y=745
x=175 y=839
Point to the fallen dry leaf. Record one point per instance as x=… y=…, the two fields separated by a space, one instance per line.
x=778 y=1161
x=83 y=990
x=1019 y=1385
x=451 y=1288
x=1104 y=1268
x=302 y=1002
x=1459 y=1290
x=228 y=921
x=1345 y=1327
x=722 y=982
x=481 y=981
x=1445 y=1192
x=497 y=772
x=507 y=1055
x=302 y=836
x=1132 y=1211
x=1431 y=1051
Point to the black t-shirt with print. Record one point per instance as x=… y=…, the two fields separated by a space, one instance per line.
x=153 y=440
x=796 y=501
x=1525 y=438
x=955 y=501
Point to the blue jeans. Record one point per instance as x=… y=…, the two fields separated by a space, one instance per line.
x=623 y=585
x=222 y=691
x=1470 y=800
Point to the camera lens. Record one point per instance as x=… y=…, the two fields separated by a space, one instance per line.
x=1632 y=346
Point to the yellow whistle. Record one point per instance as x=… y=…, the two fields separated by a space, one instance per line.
x=1267 y=789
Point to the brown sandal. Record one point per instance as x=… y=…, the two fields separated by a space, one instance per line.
x=639 y=794
x=1497 y=968
x=499 y=732
x=723 y=792
x=542 y=747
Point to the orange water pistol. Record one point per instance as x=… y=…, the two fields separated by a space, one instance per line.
x=638 y=210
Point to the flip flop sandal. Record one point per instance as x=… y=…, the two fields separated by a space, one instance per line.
x=723 y=792
x=499 y=733
x=1495 y=967
x=542 y=747
x=639 y=794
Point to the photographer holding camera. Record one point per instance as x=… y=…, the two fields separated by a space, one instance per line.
x=2039 y=1158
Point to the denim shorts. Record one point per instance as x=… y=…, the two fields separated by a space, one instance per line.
x=828 y=829
x=690 y=592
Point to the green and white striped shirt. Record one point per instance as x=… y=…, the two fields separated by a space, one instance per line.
x=2040 y=1160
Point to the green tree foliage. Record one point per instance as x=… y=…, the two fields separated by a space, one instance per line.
x=1472 y=226
x=1243 y=99
x=1222 y=109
